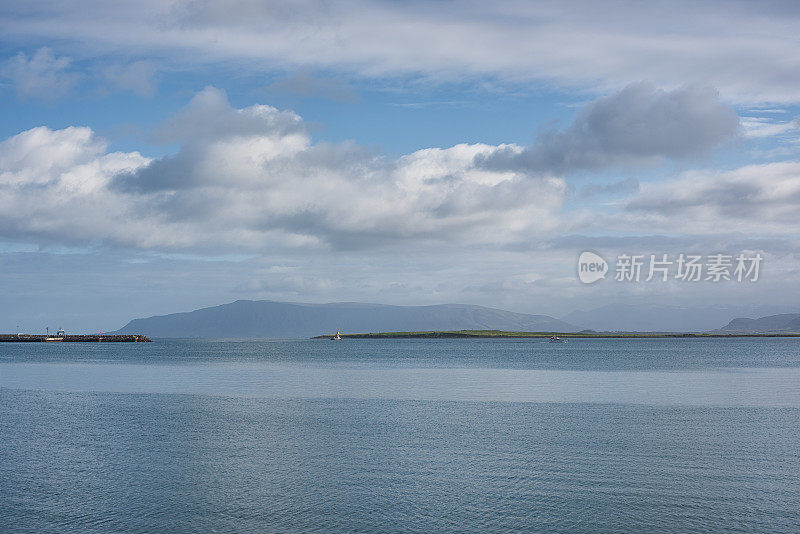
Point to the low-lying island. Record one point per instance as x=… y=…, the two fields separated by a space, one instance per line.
x=464 y=334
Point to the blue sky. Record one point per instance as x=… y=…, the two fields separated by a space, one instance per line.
x=161 y=156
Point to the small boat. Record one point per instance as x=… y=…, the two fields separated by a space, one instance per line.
x=556 y=339
x=58 y=337
x=337 y=337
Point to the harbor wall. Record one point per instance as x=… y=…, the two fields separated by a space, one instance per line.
x=73 y=338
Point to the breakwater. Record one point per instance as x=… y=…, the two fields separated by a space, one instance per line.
x=75 y=338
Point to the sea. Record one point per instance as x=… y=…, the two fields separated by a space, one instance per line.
x=401 y=435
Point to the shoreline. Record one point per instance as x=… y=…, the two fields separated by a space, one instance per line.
x=489 y=334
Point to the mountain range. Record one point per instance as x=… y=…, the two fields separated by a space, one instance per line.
x=264 y=318
x=629 y=317
x=785 y=322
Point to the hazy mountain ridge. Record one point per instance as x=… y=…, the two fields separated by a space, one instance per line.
x=652 y=318
x=247 y=318
x=784 y=322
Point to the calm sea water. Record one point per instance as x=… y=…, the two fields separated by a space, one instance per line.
x=684 y=435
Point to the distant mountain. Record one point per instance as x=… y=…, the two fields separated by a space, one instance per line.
x=263 y=318
x=785 y=322
x=647 y=318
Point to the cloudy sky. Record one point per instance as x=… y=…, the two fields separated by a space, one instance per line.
x=160 y=156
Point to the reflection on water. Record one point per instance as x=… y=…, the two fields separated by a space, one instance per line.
x=717 y=387
x=78 y=462
x=674 y=354
x=399 y=436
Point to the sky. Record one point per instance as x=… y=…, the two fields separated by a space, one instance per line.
x=161 y=156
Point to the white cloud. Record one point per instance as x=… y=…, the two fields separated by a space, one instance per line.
x=748 y=51
x=55 y=185
x=752 y=200
x=42 y=75
x=251 y=179
x=39 y=154
x=759 y=127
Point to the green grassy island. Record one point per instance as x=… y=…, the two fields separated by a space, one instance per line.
x=462 y=334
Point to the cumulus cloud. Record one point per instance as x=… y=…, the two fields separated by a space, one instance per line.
x=639 y=124
x=747 y=50
x=251 y=179
x=209 y=116
x=42 y=75
x=54 y=186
